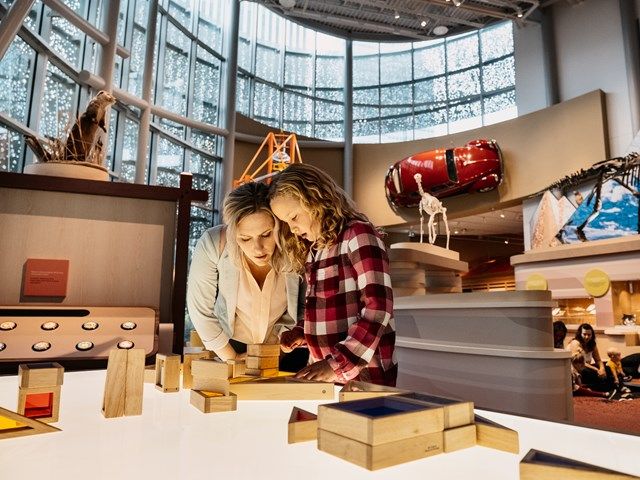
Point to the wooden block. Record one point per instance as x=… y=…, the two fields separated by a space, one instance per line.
x=41 y=403
x=211 y=402
x=374 y=457
x=194 y=339
x=46 y=374
x=150 y=374
x=380 y=420
x=209 y=368
x=218 y=385
x=266 y=372
x=493 y=435
x=238 y=367
x=356 y=390
x=134 y=382
x=263 y=350
x=15 y=425
x=303 y=426
x=168 y=372
x=281 y=388
x=113 y=400
x=538 y=465
x=456 y=412
x=187 y=374
x=263 y=363
x=459 y=438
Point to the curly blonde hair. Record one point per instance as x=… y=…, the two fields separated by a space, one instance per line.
x=325 y=201
x=246 y=200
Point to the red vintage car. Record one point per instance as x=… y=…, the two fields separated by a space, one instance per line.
x=476 y=167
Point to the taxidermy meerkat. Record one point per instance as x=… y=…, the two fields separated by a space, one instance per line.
x=84 y=134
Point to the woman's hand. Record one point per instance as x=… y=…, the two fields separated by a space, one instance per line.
x=601 y=372
x=291 y=339
x=319 y=372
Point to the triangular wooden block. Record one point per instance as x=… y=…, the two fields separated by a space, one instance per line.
x=303 y=426
x=493 y=435
x=15 y=425
x=538 y=465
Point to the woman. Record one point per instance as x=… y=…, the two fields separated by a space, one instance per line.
x=241 y=289
x=584 y=343
x=348 y=323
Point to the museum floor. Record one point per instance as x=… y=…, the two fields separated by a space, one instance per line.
x=598 y=413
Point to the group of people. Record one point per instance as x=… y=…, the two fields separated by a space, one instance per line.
x=297 y=264
x=590 y=375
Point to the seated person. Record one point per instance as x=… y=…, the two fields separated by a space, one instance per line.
x=615 y=365
x=559 y=334
x=594 y=375
x=579 y=390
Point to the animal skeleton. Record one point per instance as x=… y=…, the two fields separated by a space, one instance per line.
x=431 y=206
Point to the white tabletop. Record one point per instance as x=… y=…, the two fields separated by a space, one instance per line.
x=173 y=440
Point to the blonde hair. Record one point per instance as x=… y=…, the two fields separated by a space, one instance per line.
x=325 y=202
x=246 y=200
x=612 y=351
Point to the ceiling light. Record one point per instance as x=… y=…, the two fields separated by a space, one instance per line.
x=502 y=215
x=396 y=15
x=440 y=30
x=455 y=232
x=519 y=13
x=506 y=241
x=423 y=23
x=287 y=3
x=457 y=3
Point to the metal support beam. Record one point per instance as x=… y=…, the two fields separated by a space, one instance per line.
x=630 y=38
x=347 y=162
x=12 y=22
x=228 y=159
x=550 y=58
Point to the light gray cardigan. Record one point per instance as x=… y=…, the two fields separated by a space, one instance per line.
x=212 y=292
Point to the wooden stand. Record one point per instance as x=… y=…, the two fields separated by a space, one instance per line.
x=538 y=465
x=39 y=390
x=124 y=384
x=303 y=426
x=168 y=372
x=212 y=402
x=15 y=425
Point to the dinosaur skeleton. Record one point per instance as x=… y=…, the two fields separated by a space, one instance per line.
x=430 y=206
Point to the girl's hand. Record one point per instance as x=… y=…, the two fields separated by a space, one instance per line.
x=291 y=339
x=319 y=372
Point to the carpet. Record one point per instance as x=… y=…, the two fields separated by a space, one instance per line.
x=594 y=412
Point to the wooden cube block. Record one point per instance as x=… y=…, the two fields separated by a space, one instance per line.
x=459 y=438
x=238 y=367
x=380 y=420
x=356 y=390
x=46 y=374
x=168 y=372
x=538 y=465
x=374 y=457
x=150 y=374
x=187 y=374
x=262 y=363
x=456 y=412
x=263 y=350
x=302 y=427
x=209 y=368
x=266 y=372
x=211 y=402
x=40 y=403
x=493 y=435
x=194 y=339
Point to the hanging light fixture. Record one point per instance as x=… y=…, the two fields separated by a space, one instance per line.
x=440 y=30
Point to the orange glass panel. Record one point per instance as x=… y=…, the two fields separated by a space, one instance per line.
x=38 y=405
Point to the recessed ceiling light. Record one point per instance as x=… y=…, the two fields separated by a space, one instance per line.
x=396 y=15
x=502 y=215
x=440 y=30
x=519 y=13
x=287 y=3
x=423 y=23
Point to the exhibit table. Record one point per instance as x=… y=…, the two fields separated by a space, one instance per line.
x=173 y=440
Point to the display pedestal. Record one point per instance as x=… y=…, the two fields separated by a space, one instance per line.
x=82 y=170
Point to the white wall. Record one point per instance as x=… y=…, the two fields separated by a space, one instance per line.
x=590 y=55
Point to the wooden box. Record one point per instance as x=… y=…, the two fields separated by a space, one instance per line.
x=187 y=374
x=374 y=457
x=262 y=362
x=209 y=368
x=238 y=367
x=267 y=372
x=459 y=438
x=46 y=374
x=456 y=412
x=380 y=420
x=211 y=402
x=263 y=350
x=168 y=372
x=40 y=403
x=538 y=465
x=493 y=435
x=303 y=426
x=356 y=390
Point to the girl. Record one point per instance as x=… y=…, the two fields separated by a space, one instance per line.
x=584 y=343
x=348 y=323
x=241 y=289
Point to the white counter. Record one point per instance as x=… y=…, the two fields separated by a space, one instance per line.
x=173 y=440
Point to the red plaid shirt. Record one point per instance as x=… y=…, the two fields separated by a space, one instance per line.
x=349 y=307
